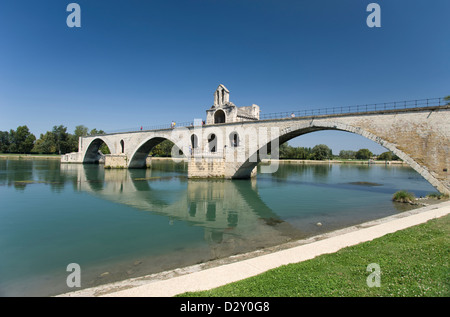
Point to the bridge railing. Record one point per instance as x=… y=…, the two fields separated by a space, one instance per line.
x=396 y=105
x=153 y=127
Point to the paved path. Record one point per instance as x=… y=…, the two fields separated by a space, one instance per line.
x=195 y=278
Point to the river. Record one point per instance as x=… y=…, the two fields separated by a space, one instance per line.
x=119 y=224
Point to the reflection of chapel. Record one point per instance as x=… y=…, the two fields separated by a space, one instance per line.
x=224 y=111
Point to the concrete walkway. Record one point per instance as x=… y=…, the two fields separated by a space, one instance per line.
x=195 y=278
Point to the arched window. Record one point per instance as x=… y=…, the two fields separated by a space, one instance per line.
x=219 y=116
x=212 y=143
x=234 y=139
x=194 y=141
x=122 y=146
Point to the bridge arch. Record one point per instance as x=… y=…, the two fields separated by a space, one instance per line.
x=139 y=156
x=303 y=128
x=91 y=154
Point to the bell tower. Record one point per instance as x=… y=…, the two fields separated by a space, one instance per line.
x=221 y=96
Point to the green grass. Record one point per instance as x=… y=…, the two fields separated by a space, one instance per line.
x=438 y=196
x=28 y=156
x=403 y=196
x=413 y=262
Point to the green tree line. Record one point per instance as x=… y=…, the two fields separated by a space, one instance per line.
x=319 y=152
x=323 y=152
x=56 y=141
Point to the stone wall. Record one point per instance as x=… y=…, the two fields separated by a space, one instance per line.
x=116 y=161
x=206 y=168
x=74 y=157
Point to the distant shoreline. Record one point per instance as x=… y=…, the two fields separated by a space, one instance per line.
x=295 y=161
x=283 y=161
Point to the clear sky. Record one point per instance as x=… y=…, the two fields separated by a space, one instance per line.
x=134 y=63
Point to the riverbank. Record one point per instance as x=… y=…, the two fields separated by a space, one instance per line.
x=412 y=262
x=336 y=161
x=30 y=156
x=295 y=161
x=221 y=272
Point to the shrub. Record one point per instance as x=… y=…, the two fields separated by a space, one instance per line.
x=403 y=196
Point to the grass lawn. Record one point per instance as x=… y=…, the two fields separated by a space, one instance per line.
x=412 y=262
x=28 y=156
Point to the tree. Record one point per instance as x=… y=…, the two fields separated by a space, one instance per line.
x=363 y=154
x=283 y=150
x=80 y=130
x=4 y=141
x=387 y=156
x=289 y=152
x=46 y=143
x=61 y=139
x=21 y=140
x=73 y=143
x=96 y=132
x=56 y=141
x=321 y=152
x=104 y=149
x=347 y=154
x=302 y=153
x=163 y=149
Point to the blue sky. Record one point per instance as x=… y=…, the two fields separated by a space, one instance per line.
x=136 y=63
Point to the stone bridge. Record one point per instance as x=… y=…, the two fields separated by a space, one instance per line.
x=234 y=140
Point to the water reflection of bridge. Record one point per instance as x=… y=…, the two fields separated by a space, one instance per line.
x=221 y=207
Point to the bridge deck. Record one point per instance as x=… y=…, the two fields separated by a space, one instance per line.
x=437 y=104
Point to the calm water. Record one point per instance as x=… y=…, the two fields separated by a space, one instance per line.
x=118 y=224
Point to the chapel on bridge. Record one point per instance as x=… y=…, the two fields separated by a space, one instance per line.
x=224 y=111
